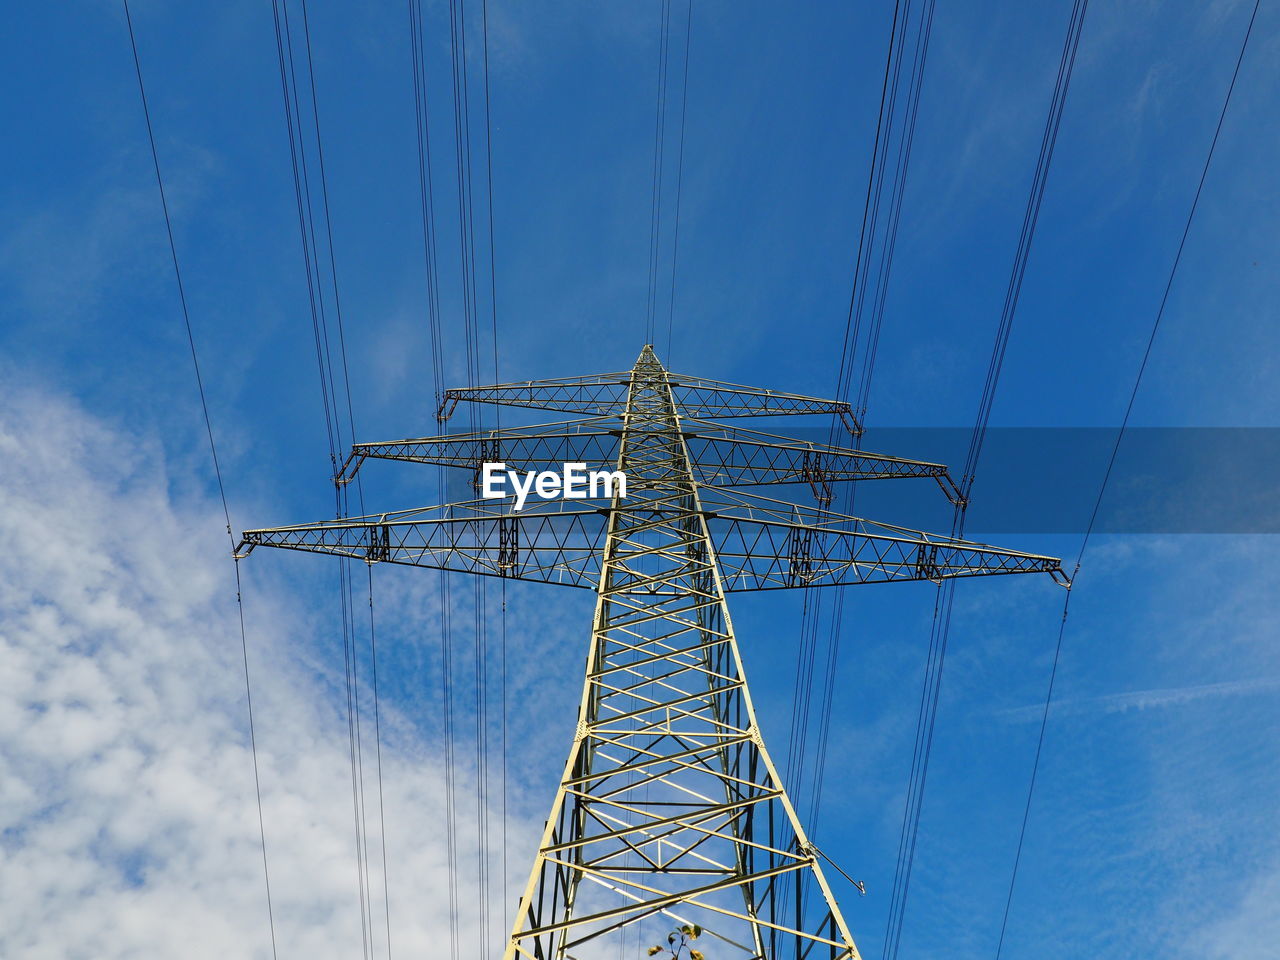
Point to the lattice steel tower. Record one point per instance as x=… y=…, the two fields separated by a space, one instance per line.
x=670 y=810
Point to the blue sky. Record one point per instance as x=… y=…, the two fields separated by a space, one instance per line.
x=1154 y=824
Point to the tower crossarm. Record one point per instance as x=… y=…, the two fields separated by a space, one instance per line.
x=549 y=541
x=592 y=441
x=720 y=455
x=602 y=394
x=606 y=395
x=762 y=544
x=767 y=544
x=730 y=456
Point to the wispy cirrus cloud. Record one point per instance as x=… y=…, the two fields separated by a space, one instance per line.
x=128 y=824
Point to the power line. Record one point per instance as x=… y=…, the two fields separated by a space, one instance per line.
x=435 y=328
x=675 y=238
x=471 y=310
x=328 y=223
x=493 y=304
x=812 y=615
x=879 y=187
x=809 y=610
x=812 y=608
x=888 y=246
x=1030 y=217
x=655 y=192
x=1106 y=477
x=944 y=604
x=377 y=739
x=213 y=452
x=311 y=252
x=306 y=223
x=850 y=335
x=426 y=192
x=311 y=238
x=896 y=195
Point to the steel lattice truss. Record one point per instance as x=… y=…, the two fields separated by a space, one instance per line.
x=719 y=454
x=670 y=809
x=761 y=544
x=606 y=394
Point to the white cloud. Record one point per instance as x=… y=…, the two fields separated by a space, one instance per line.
x=1252 y=929
x=128 y=825
x=1147 y=699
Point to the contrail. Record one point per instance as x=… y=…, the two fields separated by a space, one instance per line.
x=1145 y=699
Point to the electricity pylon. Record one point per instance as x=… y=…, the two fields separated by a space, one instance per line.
x=670 y=810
